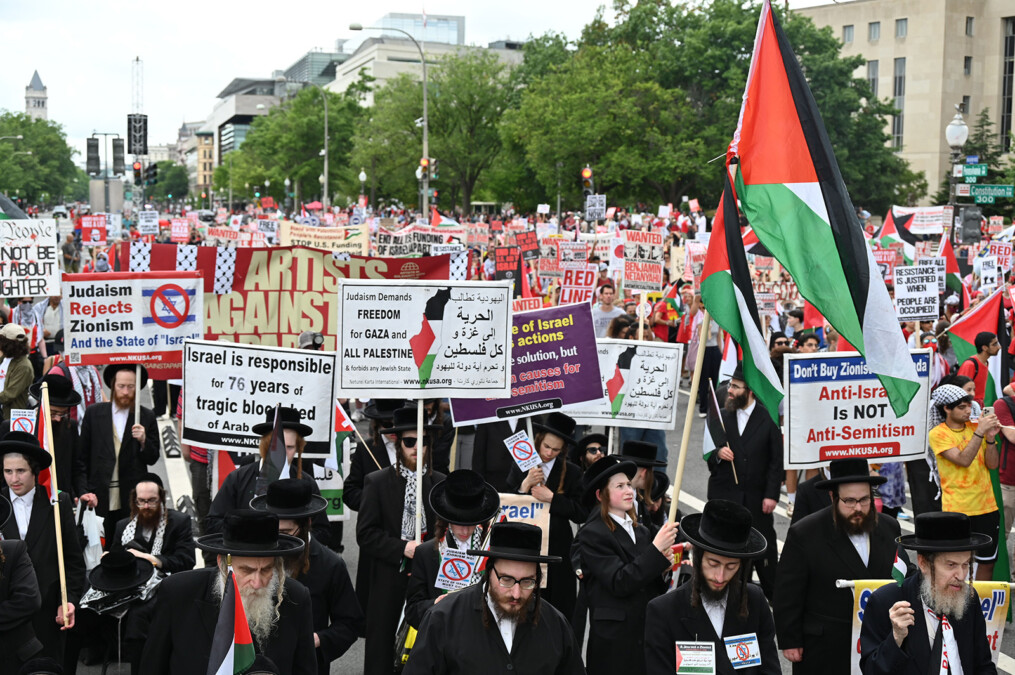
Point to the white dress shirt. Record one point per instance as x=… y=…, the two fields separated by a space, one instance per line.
x=716 y=612
x=23 y=511
x=506 y=626
x=389 y=447
x=625 y=523
x=120 y=421
x=744 y=414
x=861 y=542
x=547 y=467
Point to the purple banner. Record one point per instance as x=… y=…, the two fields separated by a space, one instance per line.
x=554 y=364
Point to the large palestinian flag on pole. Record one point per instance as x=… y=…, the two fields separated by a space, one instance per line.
x=426 y=343
x=729 y=299
x=896 y=231
x=792 y=193
x=232 y=649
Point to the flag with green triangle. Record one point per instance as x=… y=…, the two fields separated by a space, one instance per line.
x=343 y=431
x=896 y=231
x=616 y=386
x=426 y=343
x=232 y=649
x=953 y=276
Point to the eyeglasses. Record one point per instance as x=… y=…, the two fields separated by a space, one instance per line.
x=154 y=501
x=853 y=503
x=527 y=584
x=594 y=449
x=58 y=415
x=411 y=442
x=782 y=343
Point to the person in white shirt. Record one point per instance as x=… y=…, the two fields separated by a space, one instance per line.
x=50 y=316
x=605 y=312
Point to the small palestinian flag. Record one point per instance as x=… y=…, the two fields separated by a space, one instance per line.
x=953 y=277
x=896 y=231
x=426 y=343
x=343 y=430
x=899 y=570
x=45 y=479
x=232 y=650
x=616 y=386
x=271 y=467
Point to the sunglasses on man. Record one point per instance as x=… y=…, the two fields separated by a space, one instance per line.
x=411 y=442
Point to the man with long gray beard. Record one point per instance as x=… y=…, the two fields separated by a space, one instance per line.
x=278 y=609
x=932 y=622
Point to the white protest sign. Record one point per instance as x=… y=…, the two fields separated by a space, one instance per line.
x=522 y=451
x=455 y=570
x=147 y=222
x=444 y=249
x=695 y=658
x=1002 y=250
x=938 y=266
x=542 y=208
x=916 y=294
x=988 y=272
x=29 y=259
x=617 y=254
x=743 y=651
x=664 y=211
x=572 y=254
x=527 y=509
x=424 y=338
x=332 y=486
x=579 y=285
x=643 y=260
x=23 y=420
x=228 y=387
x=595 y=207
x=269 y=228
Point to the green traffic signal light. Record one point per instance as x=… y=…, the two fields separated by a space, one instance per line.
x=170 y=196
x=257 y=195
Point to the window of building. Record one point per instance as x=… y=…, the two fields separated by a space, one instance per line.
x=1007 y=83
x=899 y=93
x=969 y=26
x=847 y=34
x=964 y=106
x=874 y=31
x=967 y=65
x=872 y=76
x=901 y=27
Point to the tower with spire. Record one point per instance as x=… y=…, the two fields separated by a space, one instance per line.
x=35 y=99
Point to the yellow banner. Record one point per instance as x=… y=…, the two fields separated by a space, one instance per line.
x=351 y=240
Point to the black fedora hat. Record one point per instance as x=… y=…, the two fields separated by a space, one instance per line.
x=943 y=532
x=382 y=408
x=723 y=528
x=120 y=571
x=599 y=473
x=660 y=484
x=26 y=444
x=5 y=510
x=110 y=371
x=848 y=471
x=578 y=451
x=738 y=372
x=464 y=498
x=43 y=665
x=291 y=498
x=404 y=419
x=250 y=534
x=641 y=453
x=290 y=420
x=516 y=541
x=61 y=391
x=558 y=424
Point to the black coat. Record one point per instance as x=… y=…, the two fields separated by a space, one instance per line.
x=71 y=471
x=184 y=619
x=98 y=455
x=421 y=591
x=671 y=618
x=621 y=576
x=758 y=458
x=19 y=603
x=378 y=533
x=809 y=499
x=361 y=465
x=566 y=508
x=453 y=641
x=810 y=612
x=177 y=542
x=879 y=655
x=338 y=619
x=490 y=457
x=41 y=542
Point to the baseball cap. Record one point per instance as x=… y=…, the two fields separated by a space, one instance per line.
x=13 y=331
x=952 y=300
x=603 y=267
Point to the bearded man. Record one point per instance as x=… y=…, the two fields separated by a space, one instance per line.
x=277 y=608
x=932 y=623
x=153 y=532
x=847 y=540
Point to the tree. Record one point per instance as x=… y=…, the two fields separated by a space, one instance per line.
x=172 y=180
x=49 y=169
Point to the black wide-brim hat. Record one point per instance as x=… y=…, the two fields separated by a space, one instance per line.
x=120 y=571
x=841 y=471
x=290 y=498
x=110 y=371
x=464 y=498
x=597 y=475
x=290 y=420
x=25 y=444
x=515 y=541
x=61 y=391
x=943 y=532
x=641 y=453
x=723 y=528
x=404 y=419
x=382 y=408
x=558 y=424
x=579 y=449
x=250 y=534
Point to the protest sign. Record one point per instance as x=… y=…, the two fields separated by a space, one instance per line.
x=29 y=258
x=527 y=509
x=477 y=235
x=886 y=263
x=926 y=219
x=147 y=222
x=351 y=240
x=554 y=366
x=837 y=409
x=455 y=570
x=916 y=294
x=764 y=263
x=549 y=261
x=180 y=230
x=639 y=385
x=693 y=205
x=332 y=486
x=572 y=254
x=416 y=338
x=415 y=240
x=227 y=389
x=595 y=207
x=522 y=451
x=924 y=249
x=128 y=317
x=617 y=254
x=93 y=230
x=508 y=266
x=528 y=243
x=579 y=285
x=1002 y=250
x=694 y=262
x=766 y=302
x=989 y=273
x=24 y=420
x=526 y=304
x=543 y=208
x=223 y=236
x=445 y=249
x=677 y=260
x=643 y=260
x=995 y=225
x=269 y=228
x=664 y=211
x=695 y=658
x=937 y=266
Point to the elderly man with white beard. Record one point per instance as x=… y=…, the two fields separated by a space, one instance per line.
x=278 y=609
x=932 y=622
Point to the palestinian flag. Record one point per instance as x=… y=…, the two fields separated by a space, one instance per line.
x=731 y=355
x=899 y=570
x=953 y=277
x=616 y=386
x=728 y=296
x=426 y=343
x=343 y=430
x=896 y=231
x=792 y=193
x=45 y=478
x=672 y=299
x=752 y=245
x=232 y=650
x=713 y=425
x=271 y=467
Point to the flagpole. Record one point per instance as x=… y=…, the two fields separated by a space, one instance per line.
x=55 y=500
x=685 y=438
x=137 y=394
x=420 y=454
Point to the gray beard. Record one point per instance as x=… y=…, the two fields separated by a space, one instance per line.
x=952 y=606
x=260 y=606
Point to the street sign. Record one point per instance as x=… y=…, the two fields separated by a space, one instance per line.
x=972 y=159
x=969 y=179
x=992 y=190
x=974 y=170
x=595 y=207
x=984 y=199
x=962 y=189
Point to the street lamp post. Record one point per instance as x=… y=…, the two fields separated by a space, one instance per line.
x=19 y=137
x=426 y=127
x=287 y=183
x=362 y=183
x=956 y=134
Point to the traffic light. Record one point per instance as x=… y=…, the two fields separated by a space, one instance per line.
x=433 y=169
x=257 y=195
x=118 y=169
x=137 y=173
x=92 y=157
x=588 y=186
x=151 y=174
x=424 y=163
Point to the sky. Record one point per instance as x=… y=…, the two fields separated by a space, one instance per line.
x=191 y=49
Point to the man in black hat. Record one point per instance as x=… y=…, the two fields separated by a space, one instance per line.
x=120 y=576
x=500 y=625
x=153 y=531
x=70 y=469
x=643 y=455
x=34 y=523
x=19 y=598
x=748 y=469
x=338 y=619
x=931 y=622
x=847 y=540
x=719 y=602
x=278 y=609
x=116 y=449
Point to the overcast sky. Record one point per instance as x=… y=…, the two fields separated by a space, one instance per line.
x=191 y=49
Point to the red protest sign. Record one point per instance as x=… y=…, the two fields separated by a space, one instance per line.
x=579 y=285
x=508 y=265
x=528 y=243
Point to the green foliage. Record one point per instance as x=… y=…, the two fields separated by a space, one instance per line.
x=49 y=169
x=172 y=180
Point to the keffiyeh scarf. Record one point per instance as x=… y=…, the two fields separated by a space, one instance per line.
x=131 y=530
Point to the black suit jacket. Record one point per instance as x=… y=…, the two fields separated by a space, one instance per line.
x=19 y=603
x=185 y=615
x=810 y=612
x=421 y=592
x=360 y=465
x=671 y=618
x=879 y=655
x=490 y=457
x=98 y=455
x=757 y=455
x=809 y=499
x=177 y=542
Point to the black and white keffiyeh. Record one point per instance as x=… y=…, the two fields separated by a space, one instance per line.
x=131 y=530
x=409 y=504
